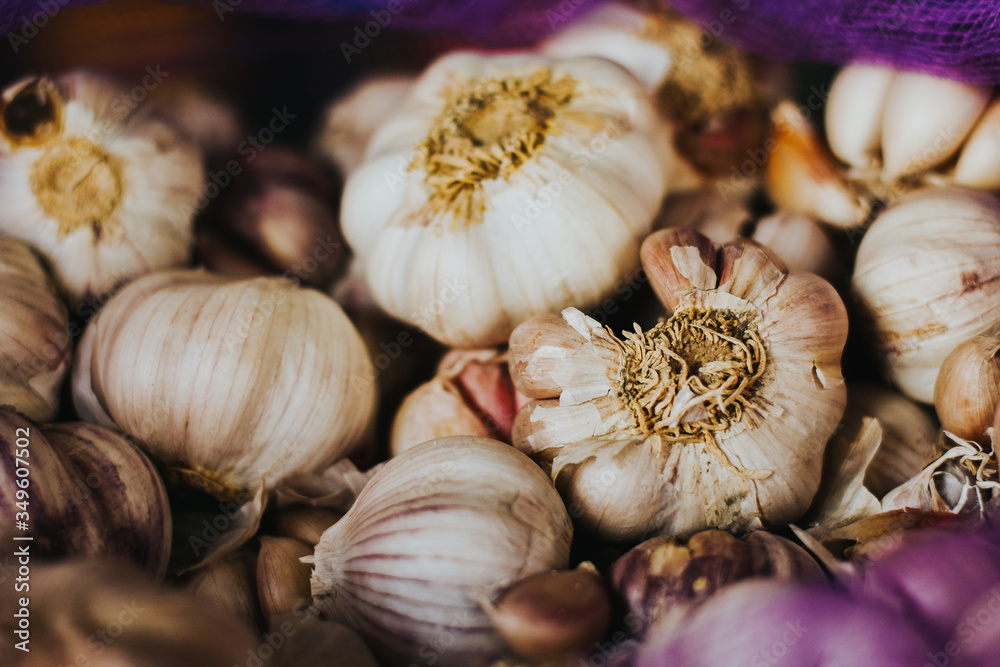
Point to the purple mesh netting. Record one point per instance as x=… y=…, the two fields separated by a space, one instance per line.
x=959 y=39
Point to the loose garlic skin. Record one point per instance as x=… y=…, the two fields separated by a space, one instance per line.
x=638 y=446
x=104 y=192
x=925 y=278
x=506 y=186
x=230 y=384
x=435 y=534
x=35 y=346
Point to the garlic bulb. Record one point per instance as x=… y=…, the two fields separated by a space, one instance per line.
x=89 y=492
x=211 y=122
x=230 y=385
x=504 y=187
x=472 y=394
x=667 y=572
x=351 y=120
x=925 y=277
x=441 y=528
x=35 y=345
x=716 y=417
x=102 y=188
x=105 y=612
x=967 y=389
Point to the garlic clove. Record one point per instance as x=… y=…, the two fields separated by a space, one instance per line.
x=719 y=214
x=230 y=584
x=312 y=642
x=351 y=119
x=854 y=111
x=978 y=165
x=677 y=261
x=282 y=578
x=35 y=344
x=437 y=528
x=105 y=193
x=433 y=410
x=102 y=611
x=802 y=177
x=305 y=524
x=800 y=242
x=552 y=616
x=967 y=389
x=93 y=492
x=925 y=120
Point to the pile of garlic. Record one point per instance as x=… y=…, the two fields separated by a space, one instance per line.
x=540 y=379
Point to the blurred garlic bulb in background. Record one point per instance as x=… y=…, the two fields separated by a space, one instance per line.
x=91 y=492
x=967 y=389
x=35 y=345
x=926 y=279
x=101 y=187
x=800 y=242
x=443 y=527
x=229 y=584
x=209 y=121
x=504 y=187
x=350 y=120
x=230 y=385
x=471 y=394
x=715 y=418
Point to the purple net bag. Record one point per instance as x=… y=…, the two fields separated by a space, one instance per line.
x=959 y=39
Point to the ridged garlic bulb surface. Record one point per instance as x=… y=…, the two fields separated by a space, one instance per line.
x=102 y=187
x=504 y=187
x=441 y=529
x=927 y=278
x=230 y=384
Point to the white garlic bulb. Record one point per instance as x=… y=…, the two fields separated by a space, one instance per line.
x=504 y=187
x=102 y=188
x=35 y=345
x=716 y=417
x=230 y=385
x=926 y=277
x=438 y=532
x=350 y=120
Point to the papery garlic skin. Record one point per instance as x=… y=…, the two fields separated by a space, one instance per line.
x=441 y=528
x=926 y=278
x=35 y=345
x=229 y=384
x=351 y=120
x=568 y=180
x=635 y=451
x=103 y=191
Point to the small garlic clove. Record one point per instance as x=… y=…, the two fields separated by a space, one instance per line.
x=854 y=111
x=802 y=177
x=800 y=242
x=717 y=213
x=979 y=162
x=967 y=389
x=305 y=524
x=35 y=345
x=282 y=578
x=230 y=584
x=676 y=261
x=925 y=120
x=435 y=409
x=552 y=616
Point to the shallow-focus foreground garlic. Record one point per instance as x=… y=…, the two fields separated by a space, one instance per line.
x=506 y=186
x=471 y=394
x=35 y=345
x=350 y=120
x=436 y=533
x=77 y=489
x=230 y=385
x=102 y=188
x=925 y=277
x=716 y=417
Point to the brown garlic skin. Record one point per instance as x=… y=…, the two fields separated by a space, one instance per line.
x=967 y=388
x=471 y=394
x=664 y=572
x=306 y=524
x=278 y=215
x=230 y=584
x=90 y=492
x=282 y=579
x=105 y=612
x=553 y=616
